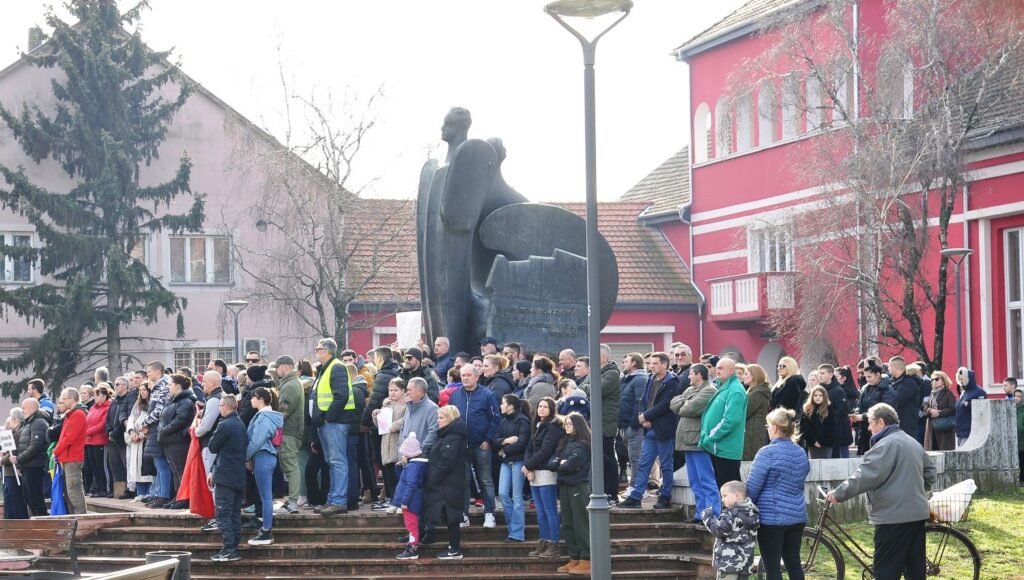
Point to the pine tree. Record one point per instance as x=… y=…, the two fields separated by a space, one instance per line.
x=115 y=99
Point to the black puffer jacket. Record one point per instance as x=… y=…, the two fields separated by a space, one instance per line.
x=543 y=444
x=32 y=441
x=515 y=425
x=791 y=394
x=576 y=468
x=245 y=410
x=446 y=477
x=500 y=384
x=176 y=419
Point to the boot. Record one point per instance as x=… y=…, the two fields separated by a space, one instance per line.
x=541 y=546
x=554 y=550
x=583 y=568
x=567 y=566
x=120 y=487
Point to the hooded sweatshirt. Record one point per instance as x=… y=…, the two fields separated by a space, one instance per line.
x=261 y=432
x=969 y=391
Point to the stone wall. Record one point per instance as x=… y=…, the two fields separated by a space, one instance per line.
x=989 y=457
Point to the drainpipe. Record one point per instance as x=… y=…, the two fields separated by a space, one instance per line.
x=693 y=273
x=967 y=275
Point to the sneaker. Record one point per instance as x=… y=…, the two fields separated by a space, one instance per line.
x=628 y=493
x=450 y=554
x=629 y=503
x=664 y=503
x=409 y=553
x=226 y=556
x=398 y=511
x=252 y=524
x=465 y=521
x=478 y=502
x=289 y=507
x=382 y=507
x=379 y=503
x=489 y=521
x=388 y=510
x=333 y=510
x=303 y=501
x=264 y=538
x=211 y=526
x=249 y=509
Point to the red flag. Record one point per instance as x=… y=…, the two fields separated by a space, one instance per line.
x=194 y=488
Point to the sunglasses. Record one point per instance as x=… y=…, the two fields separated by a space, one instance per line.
x=252 y=360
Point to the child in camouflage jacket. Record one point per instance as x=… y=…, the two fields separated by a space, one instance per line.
x=735 y=532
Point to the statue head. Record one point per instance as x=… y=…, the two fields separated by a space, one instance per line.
x=456 y=125
x=499 y=148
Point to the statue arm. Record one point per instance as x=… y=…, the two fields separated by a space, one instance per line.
x=468 y=180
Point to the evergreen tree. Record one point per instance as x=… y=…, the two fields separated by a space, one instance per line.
x=115 y=99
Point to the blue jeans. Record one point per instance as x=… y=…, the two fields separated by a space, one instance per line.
x=651 y=449
x=510 y=488
x=334 y=440
x=164 y=484
x=702 y=482
x=263 y=464
x=545 y=498
x=142 y=488
x=480 y=459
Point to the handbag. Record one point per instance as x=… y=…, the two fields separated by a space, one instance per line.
x=278 y=438
x=946 y=423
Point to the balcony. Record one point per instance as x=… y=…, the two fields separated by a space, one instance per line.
x=751 y=297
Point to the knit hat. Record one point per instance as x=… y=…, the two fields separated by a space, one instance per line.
x=256 y=373
x=410 y=447
x=414 y=353
x=523 y=367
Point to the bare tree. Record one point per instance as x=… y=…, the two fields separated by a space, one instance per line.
x=321 y=245
x=890 y=150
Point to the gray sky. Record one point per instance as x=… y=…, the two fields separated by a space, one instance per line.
x=513 y=67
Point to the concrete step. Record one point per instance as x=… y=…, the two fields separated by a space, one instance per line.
x=365 y=519
x=352 y=549
x=386 y=534
x=427 y=565
x=667 y=574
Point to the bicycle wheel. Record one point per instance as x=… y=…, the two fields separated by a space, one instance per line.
x=819 y=557
x=949 y=553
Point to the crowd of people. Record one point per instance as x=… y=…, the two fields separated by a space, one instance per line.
x=445 y=431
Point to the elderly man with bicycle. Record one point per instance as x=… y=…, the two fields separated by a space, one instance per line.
x=897 y=474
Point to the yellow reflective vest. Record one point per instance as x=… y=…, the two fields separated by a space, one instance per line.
x=324 y=394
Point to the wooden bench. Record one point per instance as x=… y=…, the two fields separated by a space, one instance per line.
x=162 y=570
x=57 y=534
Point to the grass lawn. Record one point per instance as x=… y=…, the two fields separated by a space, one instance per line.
x=995 y=525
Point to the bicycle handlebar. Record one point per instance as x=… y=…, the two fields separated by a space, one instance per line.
x=823 y=490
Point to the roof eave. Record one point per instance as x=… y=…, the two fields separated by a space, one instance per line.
x=1003 y=136
x=689 y=50
x=660 y=217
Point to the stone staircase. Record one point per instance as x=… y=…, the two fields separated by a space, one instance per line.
x=644 y=544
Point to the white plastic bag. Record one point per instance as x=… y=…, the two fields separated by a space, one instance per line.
x=950 y=504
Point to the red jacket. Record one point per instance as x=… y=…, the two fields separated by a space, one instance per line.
x=96 y=424
x=71 y=445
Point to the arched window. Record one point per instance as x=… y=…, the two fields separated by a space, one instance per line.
x=842 y=106
x=790 y=107
x=744 y=123
x=894 y=85
x=701 y=133
x=723 y=128
x=766 y=114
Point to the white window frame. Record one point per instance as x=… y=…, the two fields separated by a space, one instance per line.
x=744 y=123
x=790 y=107
x=723 y=128
x=761 y=239
x=702 y=134
x=815 y=113
x=766 y=114
x=7 y=237
x=210 y=352
x=1014 y=368
x=211 y=269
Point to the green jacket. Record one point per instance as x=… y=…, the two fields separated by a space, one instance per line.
x=759 y=404
x=291 y=404
x=724 y=421
x=690 y=407
x=611 y=391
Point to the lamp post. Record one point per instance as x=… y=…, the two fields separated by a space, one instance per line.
x=957 y=255
x=236 y=307
x=588 y=10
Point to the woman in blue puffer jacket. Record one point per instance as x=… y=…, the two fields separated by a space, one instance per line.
x=776 y=486
x=261 y=456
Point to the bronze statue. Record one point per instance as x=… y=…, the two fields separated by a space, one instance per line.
x=493 y=264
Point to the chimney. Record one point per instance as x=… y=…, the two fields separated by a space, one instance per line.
x=35 y=38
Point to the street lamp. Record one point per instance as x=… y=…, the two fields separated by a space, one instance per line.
x=585 y=12
x=236 y=307
x=957 y=255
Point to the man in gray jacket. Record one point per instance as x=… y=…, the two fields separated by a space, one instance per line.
x=420 y=416
x=897 y=475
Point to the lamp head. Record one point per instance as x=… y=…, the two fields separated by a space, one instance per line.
x=957 y=254
x=587 y=8
x=236 y=306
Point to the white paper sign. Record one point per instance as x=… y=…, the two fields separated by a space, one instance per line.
x=384 y=419
x=7 y=440
x=410 y=328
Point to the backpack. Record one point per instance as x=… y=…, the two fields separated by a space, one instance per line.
x=278 y=437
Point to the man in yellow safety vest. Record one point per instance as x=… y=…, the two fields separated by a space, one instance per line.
x=335 y=411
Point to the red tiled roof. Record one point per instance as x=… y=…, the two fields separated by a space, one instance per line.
x=384 y=239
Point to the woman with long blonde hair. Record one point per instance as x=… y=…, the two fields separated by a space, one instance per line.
x=789 y=389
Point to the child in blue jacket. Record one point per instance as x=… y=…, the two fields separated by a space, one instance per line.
x=409 y=494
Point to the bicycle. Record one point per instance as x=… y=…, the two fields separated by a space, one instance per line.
x=949 y=553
